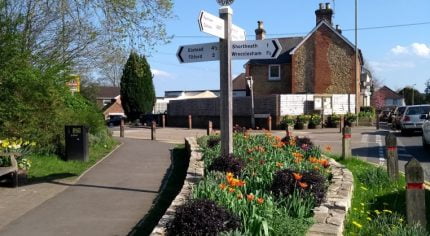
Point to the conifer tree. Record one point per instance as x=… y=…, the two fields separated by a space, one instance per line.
x=137 y=89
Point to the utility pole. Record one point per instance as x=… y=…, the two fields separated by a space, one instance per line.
x=357 y=77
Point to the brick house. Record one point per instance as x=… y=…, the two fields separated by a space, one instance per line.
x=323 y=62
x=386 y=97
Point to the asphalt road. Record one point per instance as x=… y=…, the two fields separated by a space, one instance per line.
x=369 y=144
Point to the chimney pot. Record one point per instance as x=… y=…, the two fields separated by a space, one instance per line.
x=321 y=6
x=324 y=13
x=260 y=32
x=327 y=6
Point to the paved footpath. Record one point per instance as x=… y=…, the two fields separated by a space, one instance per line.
x=108 y=200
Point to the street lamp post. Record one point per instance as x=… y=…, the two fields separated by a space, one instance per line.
x=250 y=82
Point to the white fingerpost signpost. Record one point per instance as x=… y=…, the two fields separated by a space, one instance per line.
x=232 y=45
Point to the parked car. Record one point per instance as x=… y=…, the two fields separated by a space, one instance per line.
x=411 y=120
x=114 y=120
x=426 y=130
x=396 y=116
x=383 y=115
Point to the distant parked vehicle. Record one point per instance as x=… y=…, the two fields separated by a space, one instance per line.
x=383 y=116
x=426 y=130
x=411 y=120
x=397 y=115
x=114 y=120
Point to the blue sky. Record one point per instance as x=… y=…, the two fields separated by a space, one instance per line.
x=399 y=56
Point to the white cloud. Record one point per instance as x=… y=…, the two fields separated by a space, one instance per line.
x=391 y=65
x=399 y=50
x=161 y=74
x=417 y=49
x=421 y=49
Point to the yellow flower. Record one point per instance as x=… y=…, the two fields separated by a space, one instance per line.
x=357 y=224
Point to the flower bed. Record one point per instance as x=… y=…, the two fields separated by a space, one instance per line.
x=269 y=185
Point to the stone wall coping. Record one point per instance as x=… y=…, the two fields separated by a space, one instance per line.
x=329 y=217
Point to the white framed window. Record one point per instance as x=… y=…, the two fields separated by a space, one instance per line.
x=274 y=72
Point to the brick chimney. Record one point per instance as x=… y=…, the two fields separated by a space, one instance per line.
x=260 y=32
x=324 y=13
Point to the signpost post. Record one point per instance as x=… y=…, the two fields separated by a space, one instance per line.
x=231 y=45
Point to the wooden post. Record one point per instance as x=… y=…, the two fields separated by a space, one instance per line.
x=121 y=128
x=415 y=193
x=377 y=121
x=163 y=120
x=226 y=85
x=391 y=156
x=190 y=122
x=269 y=123
x=209 y=130
x=153 y=130
x=346 y=142
x=341 y=123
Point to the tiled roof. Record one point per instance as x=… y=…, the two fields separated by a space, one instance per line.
x=107 y=92
x=288 y=44
x=387 y=93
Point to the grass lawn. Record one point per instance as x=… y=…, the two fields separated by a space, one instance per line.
x=378 y=205
x=50 y=167
x=173 y=186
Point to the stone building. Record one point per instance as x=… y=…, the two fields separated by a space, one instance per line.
x=323 y=62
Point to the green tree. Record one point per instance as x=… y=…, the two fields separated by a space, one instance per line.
x=427 y=91
x=408 y=92
x=137 y=89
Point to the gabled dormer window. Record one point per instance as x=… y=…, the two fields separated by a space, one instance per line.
x=274 y=72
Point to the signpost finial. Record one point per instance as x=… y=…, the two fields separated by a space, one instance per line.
x=225 y=2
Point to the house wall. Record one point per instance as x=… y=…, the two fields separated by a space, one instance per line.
x=264 y=86
x=324 y=64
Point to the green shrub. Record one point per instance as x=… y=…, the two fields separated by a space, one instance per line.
x=288 y=121
x=315 y=119
x=303 y=119
x=350 y=118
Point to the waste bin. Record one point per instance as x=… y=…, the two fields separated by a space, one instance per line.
x=76 y=142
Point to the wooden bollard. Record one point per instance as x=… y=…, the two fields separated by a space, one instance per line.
x=346 y=142
x=121 y=129
x=209 y=130
x=377 y=122
x=415 y=193
x=289 y=131
x=190 y=122
x=153 y=130
x=391 y=156
x=342 y=123
x=163 y=121
x=269 y=123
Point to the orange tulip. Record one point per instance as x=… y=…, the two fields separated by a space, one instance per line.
x=250 y=197
x=328 y=148
x=260 y=200
x=231 y=190
x=297 y=176
x=222 y=186
x=303 y=184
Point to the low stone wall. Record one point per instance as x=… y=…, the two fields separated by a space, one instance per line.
x=330 y=215
x=195 y=172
